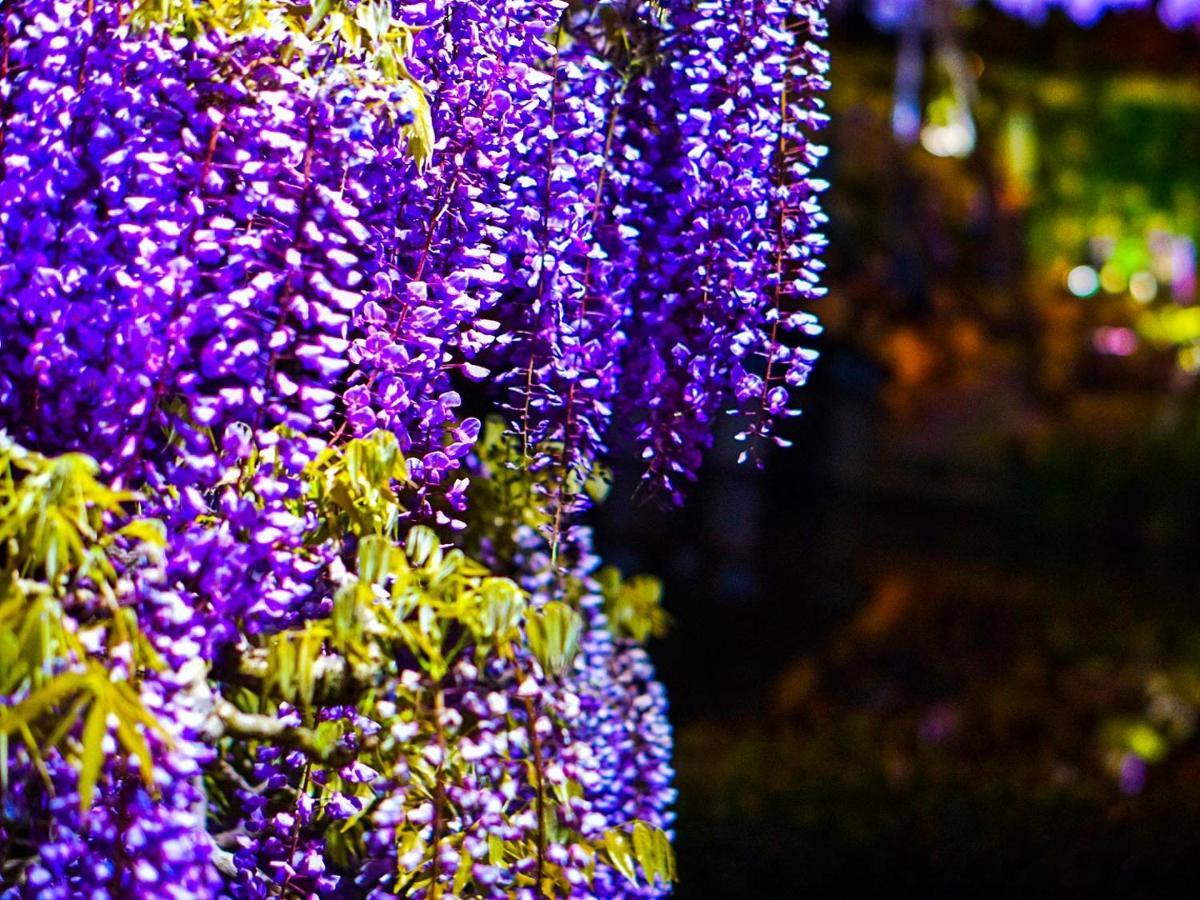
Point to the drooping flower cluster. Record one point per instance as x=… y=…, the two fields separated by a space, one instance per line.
x=253 y=253
x=736 y=239
x=673 y=234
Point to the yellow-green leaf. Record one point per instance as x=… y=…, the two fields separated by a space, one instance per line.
x=553 y=633
x=94 y=729
x=146 y=531
x=620 y=853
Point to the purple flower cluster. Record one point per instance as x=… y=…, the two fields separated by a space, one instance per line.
x=567 y=303
x=439 y=265
x=619 y=739
x=672 y=235
x=736 y=229
x=252 y=257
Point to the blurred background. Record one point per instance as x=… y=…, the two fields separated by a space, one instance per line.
x=951 y=639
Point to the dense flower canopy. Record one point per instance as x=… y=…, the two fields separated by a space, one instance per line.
x=279 y=613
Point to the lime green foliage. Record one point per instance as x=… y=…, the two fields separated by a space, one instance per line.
x=60 y=611
x=553 y=633
x=354 y=487
x=647 y=847
x=509 y=497
x=46 y=719
x=514 y=494
x=407 y=612
x=405 y=599
x=366 y=38
x=51 y=519
x=414 y=600
x=633 y=606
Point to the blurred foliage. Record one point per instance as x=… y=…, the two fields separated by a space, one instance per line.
x=517 y=496
x=970 y=725
x=1138 y=491
x=1114 y=162
x=633 y=605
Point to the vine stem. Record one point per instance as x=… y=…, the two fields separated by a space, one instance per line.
x=535 y=744
x=439 y=791
x=544 y=243
x=304 y=783
x=539 y=775
x=569 y=405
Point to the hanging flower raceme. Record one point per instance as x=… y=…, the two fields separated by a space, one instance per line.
x=442 y=264
x=736 y=230
x=564 y=304
x=252 y=255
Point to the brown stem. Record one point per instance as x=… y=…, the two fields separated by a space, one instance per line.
x=230 y=721
x=439 y=792
x=335 y=678
x=304 y=781
x=540 y=784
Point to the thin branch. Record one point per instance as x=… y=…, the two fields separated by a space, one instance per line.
x=230 y=721
x=335 y=678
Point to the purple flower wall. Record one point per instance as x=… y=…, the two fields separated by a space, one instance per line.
x=252 y=258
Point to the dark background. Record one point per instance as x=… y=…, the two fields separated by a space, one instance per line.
x=951 y=640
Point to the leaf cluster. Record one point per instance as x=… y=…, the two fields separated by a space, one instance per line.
x=633 y=606
x=517 y=493
x=644 y=847
x=67 y=542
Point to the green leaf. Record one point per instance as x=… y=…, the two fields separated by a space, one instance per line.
x=495 y=850
x=666 y=853
x=354 y=486
x=423 y=548
x=633 y=607
x=598 y=483
x=281 y=668
x=652 y=850
x=501 y=608
x=135 y=743
x=620 y=853
x=553 y=633
x=146 y=531
x=127 y=704
x=327 y=734
x=345 y=620
x=94 y=730
x=307 y=651
x=463 y=874
x=375 y=559
x=28 y=710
